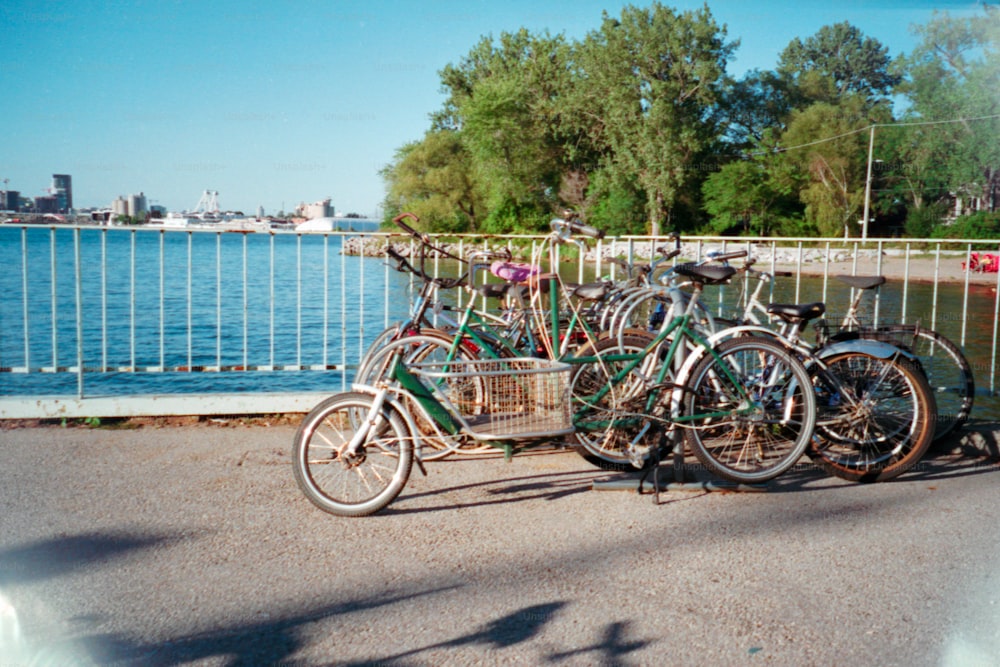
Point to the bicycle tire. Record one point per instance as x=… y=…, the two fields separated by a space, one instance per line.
x=358 y=485
x=886 y=427
x=470 y=390
x=947 y=370
x=764 y=443
x=606 y=446
x=372 y=364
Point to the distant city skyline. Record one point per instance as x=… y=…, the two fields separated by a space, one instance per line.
x=275 y=105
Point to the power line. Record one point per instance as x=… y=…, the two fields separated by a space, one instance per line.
x=868 y=128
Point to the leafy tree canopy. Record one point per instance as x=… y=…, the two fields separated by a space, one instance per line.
x=837 y=60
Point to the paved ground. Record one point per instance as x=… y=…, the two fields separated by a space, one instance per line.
x=192 y=545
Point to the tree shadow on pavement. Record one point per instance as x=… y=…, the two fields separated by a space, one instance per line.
x=514 y=628
x=264 y=643
x=522 y=626
x=54 y=557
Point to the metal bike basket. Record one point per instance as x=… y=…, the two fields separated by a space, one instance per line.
x=498 y=399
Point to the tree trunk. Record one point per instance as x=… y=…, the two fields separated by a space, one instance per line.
x=656 y=214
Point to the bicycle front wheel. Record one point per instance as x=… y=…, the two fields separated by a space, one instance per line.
x=608 y=408
x=351 y=484
x=468 y=391
x=750 y=410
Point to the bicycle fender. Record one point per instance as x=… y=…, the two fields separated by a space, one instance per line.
x=681 y=378
x=867 y=346
x=744 y=329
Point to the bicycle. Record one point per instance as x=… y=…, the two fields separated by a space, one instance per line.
x=746 y=408
x=876 y=409
x=945 y=365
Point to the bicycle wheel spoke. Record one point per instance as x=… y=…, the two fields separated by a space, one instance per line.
x=348 y=483
x=885 y=429
x=769 y=405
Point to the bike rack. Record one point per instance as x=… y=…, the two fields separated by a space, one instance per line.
x=681 y=480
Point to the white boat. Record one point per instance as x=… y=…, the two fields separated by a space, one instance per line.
x=206 y=213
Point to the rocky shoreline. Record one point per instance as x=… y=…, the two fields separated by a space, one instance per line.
x=891 y=262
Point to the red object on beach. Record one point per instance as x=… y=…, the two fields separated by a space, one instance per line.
x=983 y=262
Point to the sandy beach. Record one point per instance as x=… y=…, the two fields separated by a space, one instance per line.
x=925 y=270
x=922 y=267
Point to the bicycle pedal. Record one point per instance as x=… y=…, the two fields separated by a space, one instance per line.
x=637 y=457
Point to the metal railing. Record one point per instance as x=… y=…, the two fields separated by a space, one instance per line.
x=129 y=321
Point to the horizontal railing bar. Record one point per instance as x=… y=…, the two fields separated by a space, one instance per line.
x=870 y=243
x=166 y=405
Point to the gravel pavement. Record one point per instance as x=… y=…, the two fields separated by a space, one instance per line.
x=192 y=545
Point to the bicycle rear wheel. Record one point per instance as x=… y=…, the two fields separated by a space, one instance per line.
x=351 y=485
x=878 y=417
x=759 y=410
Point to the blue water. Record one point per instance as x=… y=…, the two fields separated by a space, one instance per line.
x=128 y=320
x=137 y=312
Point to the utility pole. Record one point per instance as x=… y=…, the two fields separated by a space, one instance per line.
x=868 y=186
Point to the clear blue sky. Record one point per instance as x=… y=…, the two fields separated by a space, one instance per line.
x=276 y=103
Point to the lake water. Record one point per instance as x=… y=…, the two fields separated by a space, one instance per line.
x=180 y=299
x=186 y=300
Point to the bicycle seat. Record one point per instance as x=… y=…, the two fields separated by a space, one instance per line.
x=591 y=291
x=800 y=312
x=708 y=274
x=862 y=282
x=493 y=290
x=514 y=271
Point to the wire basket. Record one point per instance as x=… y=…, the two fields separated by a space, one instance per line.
x=902 y=337
x=503 y=398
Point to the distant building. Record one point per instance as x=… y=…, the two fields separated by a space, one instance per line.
x=62 y=189
x=10 y=200
x=320 y=209
x=137 y=205
x=48 y=204
x=119 y=207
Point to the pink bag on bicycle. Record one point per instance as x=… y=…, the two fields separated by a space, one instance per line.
x=514 y=272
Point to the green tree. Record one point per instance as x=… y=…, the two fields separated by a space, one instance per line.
x=616 y=206
x=433 y=179
x=758 y=103
x=504 y=97
x=910 y=167
x=757 y=196
x=648 y=83
x=953 y=75
x=827 y=144
x=839 y=60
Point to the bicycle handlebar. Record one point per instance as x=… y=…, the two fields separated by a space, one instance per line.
x=406 y=228
x=577 y=228
x=503 y=255
x=726 y=256
x=402 y=265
